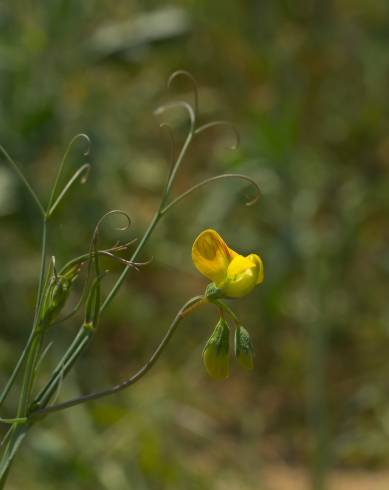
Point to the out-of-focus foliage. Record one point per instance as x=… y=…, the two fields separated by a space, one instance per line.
x=306 y=83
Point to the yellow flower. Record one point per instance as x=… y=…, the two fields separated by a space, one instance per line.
x=233 y=274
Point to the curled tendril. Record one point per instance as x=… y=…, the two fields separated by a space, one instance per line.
x=83 y=170
x=113 y=212
x=180 y=103
x=82 y=259
x=82 y=136
x=134 y=265
x=93 y=254
x=93 y=249
x=213 y=179
x=190 y=77
x=82 y=173
x=137 y=265
x=176 y=165
x=228 y=124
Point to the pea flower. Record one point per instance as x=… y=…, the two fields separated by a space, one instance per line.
x=232 y=274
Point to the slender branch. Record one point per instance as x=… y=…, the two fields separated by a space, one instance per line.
x=21 y=176
x=192 y=118
x=27 y=347
x=41 y=273
x=62 y=367
x=224 y=307
x=85 y=257
x=191 y=78
x=16 y=370
x=18 y=429
x=212 y=124
x=213 y=179
x=188 y=307
x=82 y=172
x=62 y=164
x=123 y=275
x=16 y=420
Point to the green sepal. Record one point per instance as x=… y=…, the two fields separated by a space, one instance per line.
x=212 y=291
x=244 y=351
x=216 y=351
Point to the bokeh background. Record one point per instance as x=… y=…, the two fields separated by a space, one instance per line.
x=306 y=83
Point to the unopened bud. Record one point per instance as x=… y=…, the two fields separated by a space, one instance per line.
x=244 y=348
x=57 y=293
x=216 y=350
x=92 y=306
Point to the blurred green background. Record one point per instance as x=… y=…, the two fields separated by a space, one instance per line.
x=306 y=83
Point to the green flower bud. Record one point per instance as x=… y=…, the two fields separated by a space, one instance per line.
x=57 y=293
x=92 y=306
x=215 y=353
x=244 y=351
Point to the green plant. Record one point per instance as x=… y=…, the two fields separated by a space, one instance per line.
x=54 y=286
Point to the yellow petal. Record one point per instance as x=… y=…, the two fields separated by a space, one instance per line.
x=243 y=274
x=211 y=255
x=256 y=259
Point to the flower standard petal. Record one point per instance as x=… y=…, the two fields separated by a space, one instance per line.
x=212 y=256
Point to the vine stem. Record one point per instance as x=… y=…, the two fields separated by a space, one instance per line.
x=30 y=355
x=184 y=311
x=123 y=275
x=23 y=179
x=27 y=347
x=157 y=216
x=226 y=308
x=83 y=338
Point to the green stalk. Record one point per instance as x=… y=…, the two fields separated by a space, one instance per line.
x=183 y=312
x=16 y=370
x=123 y=275
x=19 y=430
x=83 y=336
x=73 y=351
x=72 y=354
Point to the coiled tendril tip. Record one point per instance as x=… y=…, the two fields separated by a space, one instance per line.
x=190 y=77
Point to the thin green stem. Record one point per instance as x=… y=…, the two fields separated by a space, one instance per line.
x=27 y=347
x=15 y=420
x=18 y=429
x=87 y=256
x=208 y=181
x=17 y=434
x=23 y=179
x=16 y=370
x=186 y=309
x=226 y=308
x=123 y=275
x=62 y=368
x=165 y=196
x=84 y=169
x=81 y=341
x=62 y=165
x=42 y=271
